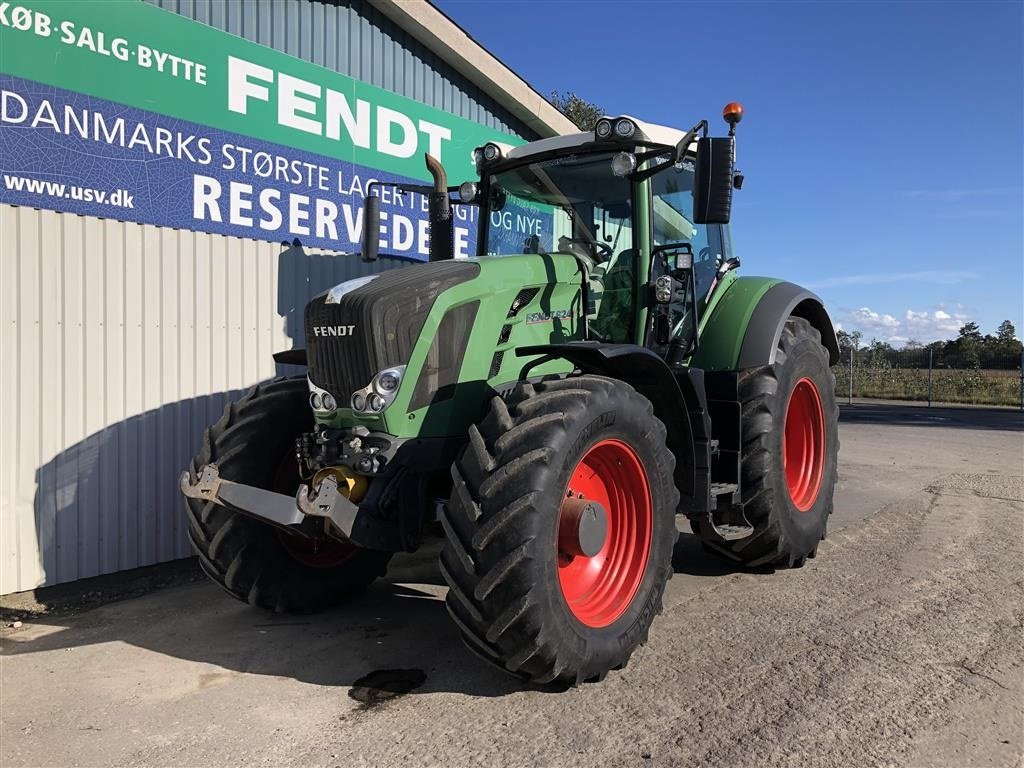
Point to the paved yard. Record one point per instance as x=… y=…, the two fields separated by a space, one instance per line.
x=901 y=644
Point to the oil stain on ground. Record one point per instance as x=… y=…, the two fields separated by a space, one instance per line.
x=384 y=685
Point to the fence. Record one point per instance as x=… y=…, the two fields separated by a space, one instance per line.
x=933 y=376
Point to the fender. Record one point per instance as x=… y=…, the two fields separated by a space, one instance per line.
x=678 y=402
x=744 y=328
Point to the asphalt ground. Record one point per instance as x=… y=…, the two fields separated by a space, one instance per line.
x=900 y=644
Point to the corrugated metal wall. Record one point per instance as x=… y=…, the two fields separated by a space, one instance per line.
x=352 y=37
x=120 y=343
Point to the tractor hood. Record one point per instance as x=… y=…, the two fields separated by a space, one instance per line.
x=446 y=326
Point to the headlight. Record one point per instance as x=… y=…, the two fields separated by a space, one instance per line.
x=492 y=152
x=388 y=381
x=467 y=191
x=624 y=128
x=623 y=163
x=603 y=129
x=478 y=157
x=380 y=392
x=314 y=401
x=328 y=402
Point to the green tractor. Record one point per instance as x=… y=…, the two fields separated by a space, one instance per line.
x=555 y=403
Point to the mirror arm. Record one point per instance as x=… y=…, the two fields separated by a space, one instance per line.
x=684 y=143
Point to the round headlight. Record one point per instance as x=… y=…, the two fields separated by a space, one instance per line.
x=388 y=381
x=314 y=400
x=467 y=191
x=358 y=402
x=491 y=152
x=623 y=163
x=603 y=129
x=478 y=156
x=625 y=128
x=376 y=402
x=329 y=402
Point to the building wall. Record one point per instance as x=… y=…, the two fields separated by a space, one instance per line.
x=122 y=341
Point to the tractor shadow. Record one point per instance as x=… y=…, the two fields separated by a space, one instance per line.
x=395 y=639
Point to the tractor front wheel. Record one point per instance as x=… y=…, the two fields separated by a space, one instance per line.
x=254 y=443
x=560 y=529
x=789 y=455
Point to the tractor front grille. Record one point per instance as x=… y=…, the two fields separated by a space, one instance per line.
x=374 y=326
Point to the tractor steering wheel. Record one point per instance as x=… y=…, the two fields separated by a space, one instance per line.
x=605 y=251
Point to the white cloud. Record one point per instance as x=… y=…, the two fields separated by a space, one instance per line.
x=936 y=276
x=924 y=325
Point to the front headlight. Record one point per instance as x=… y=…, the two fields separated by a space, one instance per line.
x=380 y=392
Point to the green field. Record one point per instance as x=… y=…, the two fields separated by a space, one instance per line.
x=974 y=386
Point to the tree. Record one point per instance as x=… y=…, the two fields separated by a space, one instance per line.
x=1006 y=333
x=968 y=345
x=970 y=331
x=913 y=344
x=849 y=340
x=580 y=111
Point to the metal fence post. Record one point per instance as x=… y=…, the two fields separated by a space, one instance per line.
x=849 y=399
x=931 y=353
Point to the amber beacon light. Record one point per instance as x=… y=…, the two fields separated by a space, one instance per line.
x=732 y=113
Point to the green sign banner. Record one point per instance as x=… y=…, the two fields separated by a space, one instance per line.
x=132 y=53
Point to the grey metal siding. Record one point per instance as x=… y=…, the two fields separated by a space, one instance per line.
x=355 y=39
x=120 y=343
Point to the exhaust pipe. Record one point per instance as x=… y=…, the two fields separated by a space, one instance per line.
x=440 y=211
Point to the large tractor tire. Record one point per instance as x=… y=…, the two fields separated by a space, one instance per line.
x=789 y=456
x=538 y=585
x=254 y=443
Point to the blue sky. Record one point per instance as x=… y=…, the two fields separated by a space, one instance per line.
x=882 y=142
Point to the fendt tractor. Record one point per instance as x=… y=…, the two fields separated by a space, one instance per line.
x=554 y=403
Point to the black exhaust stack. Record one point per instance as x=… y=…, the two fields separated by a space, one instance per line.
x=371 y=226
x=440 y=212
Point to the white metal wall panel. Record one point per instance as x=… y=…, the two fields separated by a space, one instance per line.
x=120 y=343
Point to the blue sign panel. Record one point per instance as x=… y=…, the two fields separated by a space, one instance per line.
x=70 y=152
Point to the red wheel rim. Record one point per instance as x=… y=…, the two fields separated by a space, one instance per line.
x=803 y=444
x=599 y=589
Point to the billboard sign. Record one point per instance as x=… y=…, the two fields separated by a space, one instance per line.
x=123 y=110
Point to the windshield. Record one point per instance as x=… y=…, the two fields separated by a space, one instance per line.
x=568 y=204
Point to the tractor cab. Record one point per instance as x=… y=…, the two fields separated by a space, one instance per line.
x=623 y=201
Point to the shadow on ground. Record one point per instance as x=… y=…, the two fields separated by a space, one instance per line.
x=400 y=623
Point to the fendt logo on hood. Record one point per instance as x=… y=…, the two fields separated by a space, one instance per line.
x=334 y=330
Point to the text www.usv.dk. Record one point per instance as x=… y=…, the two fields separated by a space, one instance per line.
x=119 y=198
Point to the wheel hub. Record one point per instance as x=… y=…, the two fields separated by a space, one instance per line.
x=582 y=527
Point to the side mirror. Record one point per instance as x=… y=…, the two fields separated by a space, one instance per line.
x=371 y=227
x=713 y=180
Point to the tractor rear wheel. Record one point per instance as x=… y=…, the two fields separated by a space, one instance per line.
x=789 y=455
x=560 y=529
x=254 y=443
